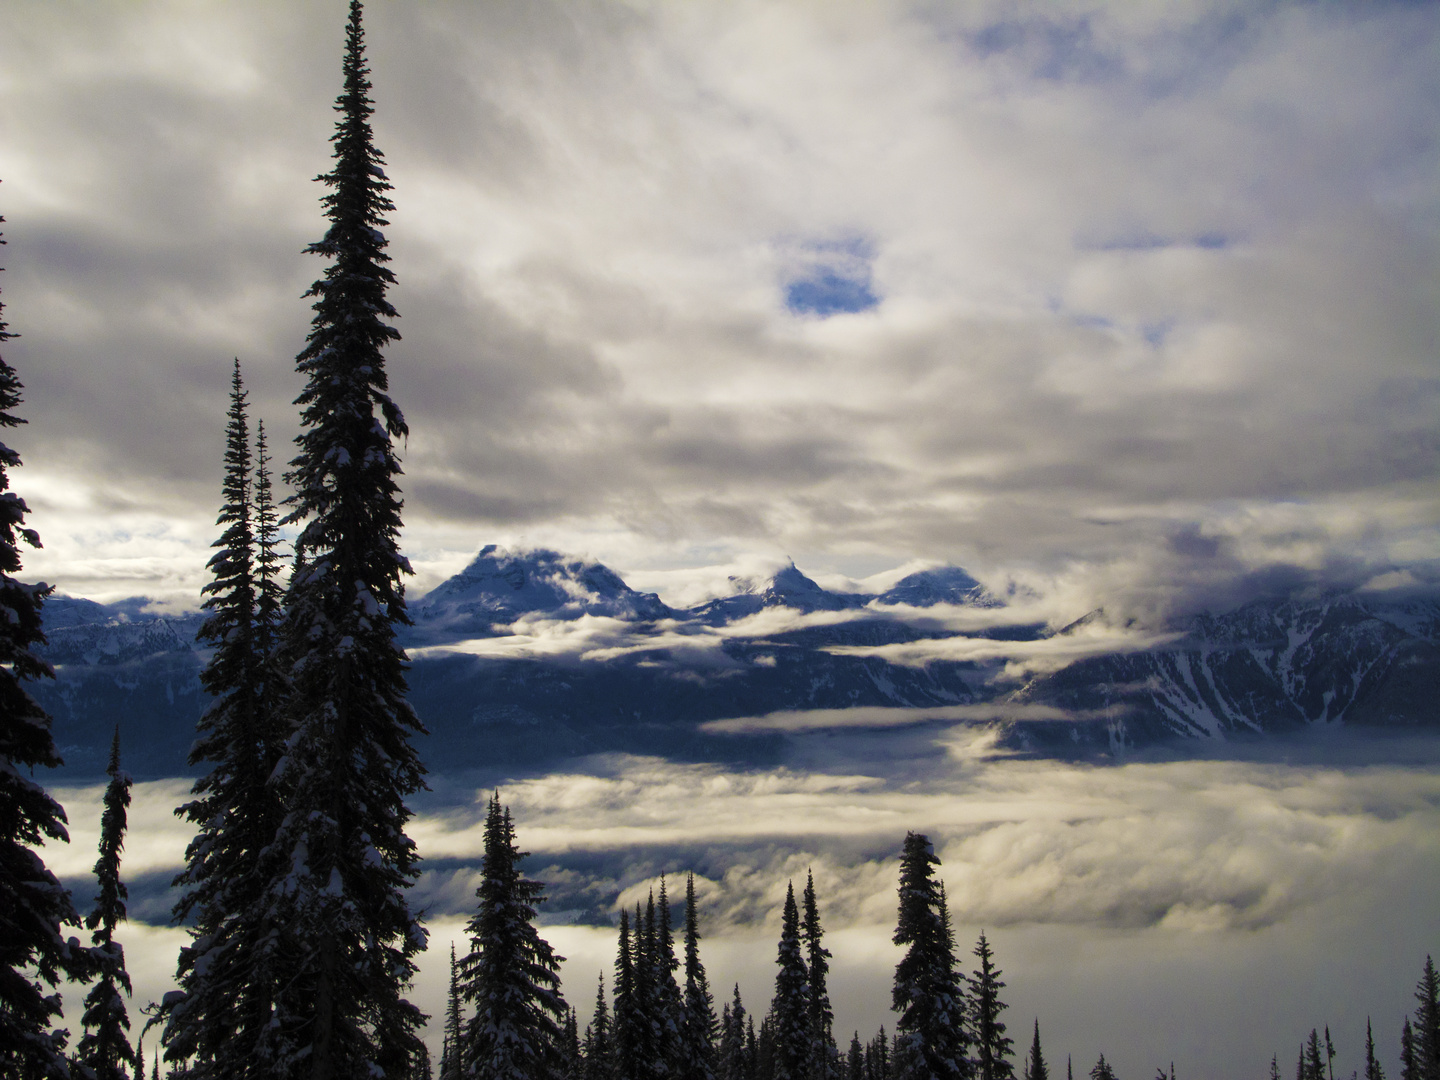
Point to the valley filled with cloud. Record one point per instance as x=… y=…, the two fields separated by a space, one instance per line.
x=1209 y=910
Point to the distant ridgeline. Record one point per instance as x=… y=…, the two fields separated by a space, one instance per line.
x=527 y=657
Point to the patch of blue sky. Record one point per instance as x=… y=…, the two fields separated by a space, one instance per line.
x=1057 y=49
x=829 y=294
x=1144 y=240
x=1154 y=60
x=1155 y=333
x=831 y=277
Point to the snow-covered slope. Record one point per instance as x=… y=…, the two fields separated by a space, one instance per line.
x=499 y=586
x=788 y=588
x=1273 y=665
x=941 y=585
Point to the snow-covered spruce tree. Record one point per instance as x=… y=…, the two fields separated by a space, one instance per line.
x=732 y=1064
x=511 y=975
x=668 y=1006
x=824 y=1063
x=630 y=1030
x=220 y=1017
x=454 y=1025
x=348 y=765
x=698 y=1030
x=269 y=592
x=932 y=1040
x=105 y=1049
x=1035 y=1068
x=570 y=1047
x=596 y=1048
x=790 y=1009
x=993 y=1049
x=34 y=952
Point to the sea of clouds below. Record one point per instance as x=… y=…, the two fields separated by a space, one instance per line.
x=1204 y=910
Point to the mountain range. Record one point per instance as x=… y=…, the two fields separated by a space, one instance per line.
x=529 y=657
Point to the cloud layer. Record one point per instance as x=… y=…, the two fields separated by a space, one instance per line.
x=1134 y=303
x=1147 y=886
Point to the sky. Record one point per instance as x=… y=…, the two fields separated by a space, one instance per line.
x=1130 y=304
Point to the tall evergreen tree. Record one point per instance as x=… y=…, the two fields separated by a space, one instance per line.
x=1427 y=1022
x=993 y=1049
x=598 y=1058
x=790 y=1010
x=1102 y=1070
x=570 y=1047
x=1313 y=1062
x=349 y=765
x=1035 y=1068
x=105 y=1048
x=1274 y=1067
x=630 y=1030
x=231 y=967
x=733 y=1064
x=668 y=1006
x=1372 y=1064
x=855 y=1059
x=34 y=951
x=1409 y=1058
x=511 y=975
x=824 y=1055
x=269 y=592
x=877 y=1057
x=698 y=1031
x=932 y=1028
x=450 y=1058
x=763 y=1058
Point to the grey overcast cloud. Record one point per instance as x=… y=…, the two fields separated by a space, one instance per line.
x=1127 y=304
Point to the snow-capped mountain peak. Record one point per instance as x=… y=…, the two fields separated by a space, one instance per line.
x=499 y=586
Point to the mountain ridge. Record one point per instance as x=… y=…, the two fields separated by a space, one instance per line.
x=622 y=670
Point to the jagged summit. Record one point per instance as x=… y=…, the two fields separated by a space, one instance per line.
x=787 y=587
x=499 y=586
x=938 y=585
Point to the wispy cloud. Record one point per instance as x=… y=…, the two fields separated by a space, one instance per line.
x=1019 y=658
x=878 y=717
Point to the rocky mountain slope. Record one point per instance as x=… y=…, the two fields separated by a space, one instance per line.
x=533 y=656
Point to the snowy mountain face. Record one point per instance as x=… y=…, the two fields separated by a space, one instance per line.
x=1270 y=666
x=942 y=585
x=114 y=666
x=641 y=677
x=788 y=588
x=499 y=587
